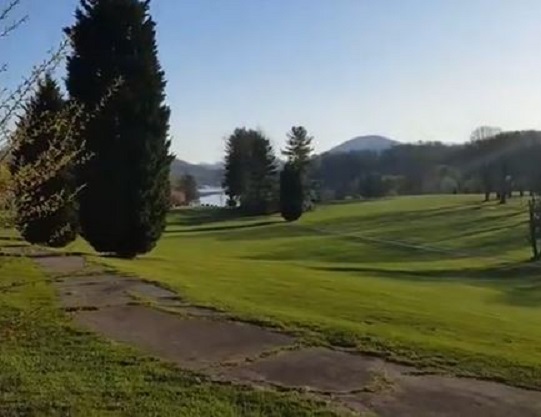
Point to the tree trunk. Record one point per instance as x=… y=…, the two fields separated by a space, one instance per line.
x=533 y=230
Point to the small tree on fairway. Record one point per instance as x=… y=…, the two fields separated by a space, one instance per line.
x=291 y=193
x=534 y=210
x=299 y=154
x=237 y=155
x=250 y=178
x=126 y=182
x=42 y=132
x=188 y=186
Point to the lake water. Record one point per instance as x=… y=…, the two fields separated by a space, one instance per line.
x=212 y=196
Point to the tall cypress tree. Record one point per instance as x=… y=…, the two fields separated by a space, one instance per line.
x=125 y=199
x=261 y=195
x=299 y=155
x=46 y=213
x=291 y=193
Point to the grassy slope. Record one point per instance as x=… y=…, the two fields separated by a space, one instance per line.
x=49 y=369
x=472 y=312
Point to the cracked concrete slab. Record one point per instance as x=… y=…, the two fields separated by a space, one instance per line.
x=315 y=369
x=441 y=396
x=192 y=343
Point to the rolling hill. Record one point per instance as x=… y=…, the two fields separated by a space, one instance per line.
x=365 y=143
x=204 y=174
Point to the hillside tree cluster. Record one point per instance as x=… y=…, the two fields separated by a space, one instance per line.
x=493 y=163
x=252 y=180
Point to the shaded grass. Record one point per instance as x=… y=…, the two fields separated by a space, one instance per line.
x=48 y=368
x=467 y=303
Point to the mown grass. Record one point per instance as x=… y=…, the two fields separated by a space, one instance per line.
x=49 y=368
x=467 y=302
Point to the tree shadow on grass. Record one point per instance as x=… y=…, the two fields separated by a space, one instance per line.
x=222 y=228
x=198 y=217
x=519 y=284
x=407 y=222
x=278 y=230
x=495 y=229
x=12 y=238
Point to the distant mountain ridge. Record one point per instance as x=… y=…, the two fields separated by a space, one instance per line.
x=374 y=143
x=209 y=175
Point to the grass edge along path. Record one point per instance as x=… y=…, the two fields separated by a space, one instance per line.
x=48 y=367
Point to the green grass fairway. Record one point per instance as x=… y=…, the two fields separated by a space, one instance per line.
x=441 y=282
x=47 y=368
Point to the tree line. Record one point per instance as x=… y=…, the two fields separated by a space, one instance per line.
x=257 y=183
x=492 y=163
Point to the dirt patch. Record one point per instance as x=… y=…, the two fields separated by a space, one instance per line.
x=316 y=369
x=61 y=264
x=192 y=343
x=439 y=396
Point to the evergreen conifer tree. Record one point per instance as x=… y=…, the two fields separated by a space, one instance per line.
x=125 y=199
x=250 y=178
x=299 y=148
x=291 y=193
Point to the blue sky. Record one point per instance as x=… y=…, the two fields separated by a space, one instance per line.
x=409 y=69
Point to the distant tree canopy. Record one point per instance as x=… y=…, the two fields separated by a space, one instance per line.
x=250 y=178
x=493 y=162
x=298 y=152
x=188 y=187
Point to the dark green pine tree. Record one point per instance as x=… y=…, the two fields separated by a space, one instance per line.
x=125 y=199
x=236 y=166
x=299 y=148
x=291 y=193
x=46 y=212
x=299 y=154
x=261 y=195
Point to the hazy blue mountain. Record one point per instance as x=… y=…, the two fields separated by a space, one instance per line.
x=205 y=174
x=365 y=143
x=211 y=175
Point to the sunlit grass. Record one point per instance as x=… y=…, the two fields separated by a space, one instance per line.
x=440 y=282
